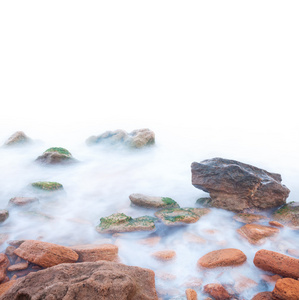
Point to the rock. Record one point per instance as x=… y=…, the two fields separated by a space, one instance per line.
x=18 y=138
x=248 y=218
x=4 y=214
x=4 y=287
x=263 y=296
x=47 y=185
x=286 y=289
x=56 y=155
x=276 y=224
x=21 y=201
x=16 y=243
x=164 y=255
x=18 y=267
x=120 y=222
x=193 y=238
x=88 y=280
x=277 y=263
x=191 y=294
x=237 y=186
x=288 y=214
x=92 y=253
x=204 y=201
x=217 y=291
x=4 y=263
x=293 y=252
x=136 y=139
x=46 y=254
x=222 y=258
x=150 y=241
x=179 y=216
x=243 y=283
x=150 y=201
x=256 y=234
x=269 y=278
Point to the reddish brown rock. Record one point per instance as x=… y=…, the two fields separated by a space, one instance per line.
x=263 y=296
x=89 y=280
x=222 y=258
x=276 y=224
x=244 y=283
x=248 y=218
x=151 y=241
x=96 y=252
x=256 y=234
x=286 y=289
x=164 y=255
x=46 y=254
x=22 y=201
x=217 y=291
x=18 y=267
x=277 y=263
x=4 y=287
x=4 y=263
x=191 y=294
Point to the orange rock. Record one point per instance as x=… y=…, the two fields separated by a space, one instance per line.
x=4 y=287
x=18 y=267
x=193 y=238
x=263 y=296
x=193 y=282
x=277 y=263
x=217 y=291
x=164 y=255
x=244 y=283
x=93 y=253
x=270 y=279
x=255 y=234
x=248 y=218
x=151 y=241
x=191 y=294
x=293 y=252
x=222 y=258
x=165 y=276
x=276 y=224
x=4 y=263
x=46 y=254
x=286 y=289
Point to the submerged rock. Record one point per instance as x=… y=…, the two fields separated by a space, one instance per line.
x=47 y=185
x=4 y=214
x=56 y=155
x=46 y=254
x=164 y=255
x=150 y=201
x=22 y=201
x=237 y=186
x=179 y=216
x=88 y=280
x=288 y=214
x=120 y=222
x=137 y=139
x=248 y=218
x=18 y=138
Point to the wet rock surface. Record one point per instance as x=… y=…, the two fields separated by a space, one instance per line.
x=56 y=155
x=248 y=218
x=152 y=202
x=88 y=280
x=237 y=186
x=22 y=201
x=288 y=214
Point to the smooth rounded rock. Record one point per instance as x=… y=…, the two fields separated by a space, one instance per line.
x=217 y=291
x=164 y=255
x=286 y=289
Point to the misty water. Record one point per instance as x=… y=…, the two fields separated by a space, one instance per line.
x=104 y=177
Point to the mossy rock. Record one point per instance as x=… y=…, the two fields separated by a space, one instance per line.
x=152 y=202
x=181 y=216
x=56 y=155
x=60 y=151
x=47 y=185
x=204 y=201
x=120 y=222
x=288 y=214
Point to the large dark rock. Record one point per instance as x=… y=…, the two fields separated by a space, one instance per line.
x=86 y=281
x=236 y=186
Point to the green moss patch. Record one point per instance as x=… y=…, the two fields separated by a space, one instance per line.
x=169 y=201
x=47 y=185
x=59 y=150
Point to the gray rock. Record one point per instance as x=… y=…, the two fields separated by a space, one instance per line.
x=153 y=202
x=18 y=138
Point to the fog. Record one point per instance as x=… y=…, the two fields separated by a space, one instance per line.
x=211 y=79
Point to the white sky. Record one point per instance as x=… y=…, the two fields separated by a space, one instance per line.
x=179 y=63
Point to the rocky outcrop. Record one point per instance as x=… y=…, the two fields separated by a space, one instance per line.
x=89 y=280
x=288 y=214
x=56 y=155
x=237 y=186
x=180 y=216
x=18 y=138
x=286 y=289
x=222 y=258
x=256 y=234
x=120 y=222
x=22 y=201
x=138 y=138
x=277 y=263
x=217 y=291
x=45 y=254
x=152 y=202
x=4 y=214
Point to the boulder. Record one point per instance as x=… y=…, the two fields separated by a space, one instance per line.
x=191 y=294
x=277 y=263
x=140 y=138
x=217 y=291
x=248 y=218
x=91 y=252
x=180 y=216
x=286 y=289
x=112 y=137
x=22 y=201
x=18 y=138
x=164 y=255
x=153 y=202
x=46 y=254
x=47 y=186
x=256 y=234
x=288 y=214
x=222 y=258
x=120 y=222
x=4 y=214
x=56 y=155
x=236 y=186
x=89 y=280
